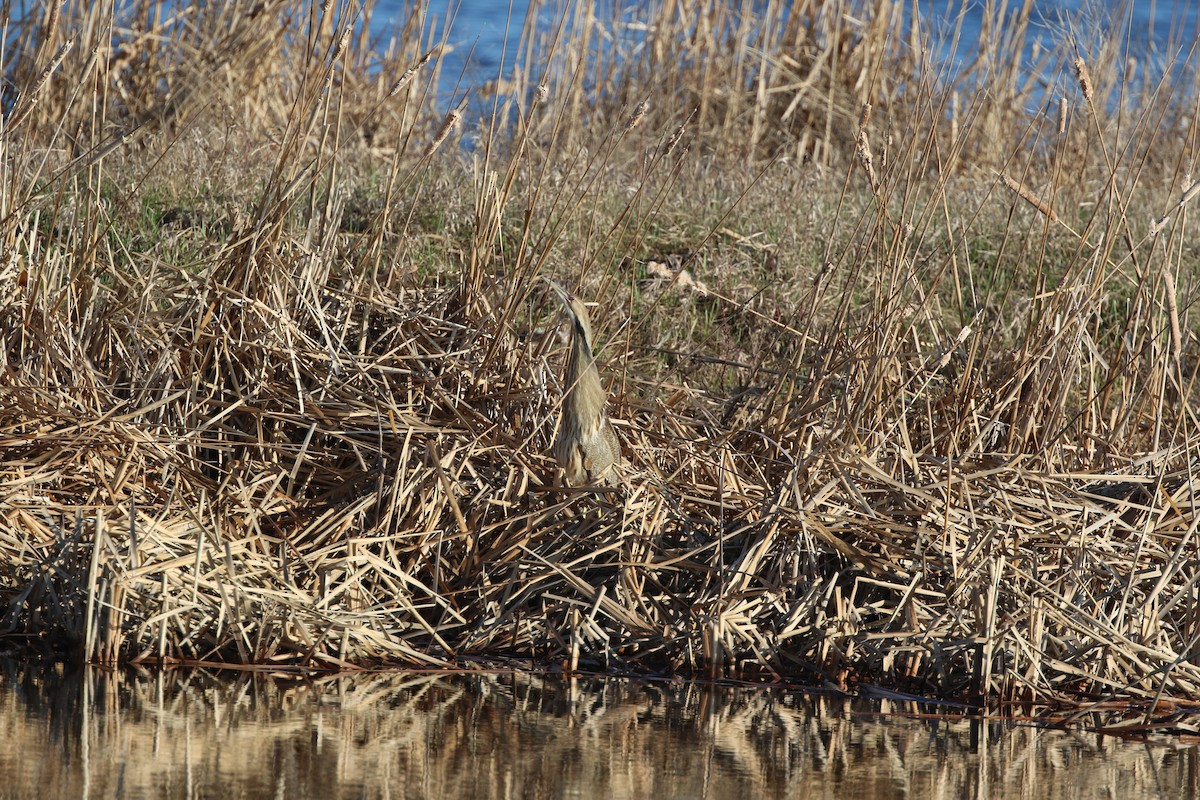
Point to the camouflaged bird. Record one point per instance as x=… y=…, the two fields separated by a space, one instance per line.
x=586 y=446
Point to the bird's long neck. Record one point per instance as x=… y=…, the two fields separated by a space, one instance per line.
x=585 y=395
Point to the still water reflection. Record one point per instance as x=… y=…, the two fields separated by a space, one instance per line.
x=197 y=734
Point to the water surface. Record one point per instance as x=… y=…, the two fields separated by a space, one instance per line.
x=200 y=734
x=1162 y=30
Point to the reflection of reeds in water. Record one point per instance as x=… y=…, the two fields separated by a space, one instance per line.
x=483 y=736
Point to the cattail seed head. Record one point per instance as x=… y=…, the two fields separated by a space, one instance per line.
x=404 y=79
x=638 y=115
x=52 y=20
x=1084 y=78
x=1029 y=197
x=342 y=40
x=448 y=125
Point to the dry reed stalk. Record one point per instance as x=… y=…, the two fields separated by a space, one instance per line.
x=29 y=98
x=1177 y=341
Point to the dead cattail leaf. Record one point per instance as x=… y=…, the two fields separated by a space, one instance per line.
x=948 y=353
x=1173 y=315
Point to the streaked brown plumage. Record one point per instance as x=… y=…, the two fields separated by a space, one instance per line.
x=586 y=446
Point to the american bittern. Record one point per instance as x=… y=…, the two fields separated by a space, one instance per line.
x=586 y=446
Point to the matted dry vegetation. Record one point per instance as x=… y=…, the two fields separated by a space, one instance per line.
x=903 y=357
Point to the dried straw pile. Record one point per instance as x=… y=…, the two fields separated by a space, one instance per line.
x=312 y=470
x=950 y=459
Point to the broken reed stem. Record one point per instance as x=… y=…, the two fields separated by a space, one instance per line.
x=1157 y=225
x=674 y=138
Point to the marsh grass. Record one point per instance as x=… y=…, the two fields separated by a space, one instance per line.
x=903 y=359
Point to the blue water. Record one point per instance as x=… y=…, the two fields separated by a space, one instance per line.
x=1163 y=31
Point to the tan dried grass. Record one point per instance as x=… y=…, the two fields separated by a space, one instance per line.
x=292 y=441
